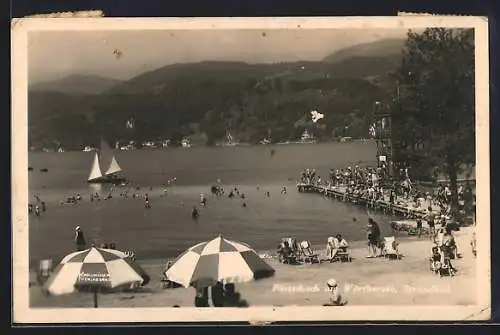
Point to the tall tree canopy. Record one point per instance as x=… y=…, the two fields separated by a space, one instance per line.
x=434 y=114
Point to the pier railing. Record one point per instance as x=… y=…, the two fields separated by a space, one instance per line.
x=397 y=209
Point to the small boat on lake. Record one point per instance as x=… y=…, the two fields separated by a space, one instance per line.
x=307 y=138
x=186 y=142
x=111 y=175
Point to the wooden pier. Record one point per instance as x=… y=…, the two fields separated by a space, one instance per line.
x=339 y=193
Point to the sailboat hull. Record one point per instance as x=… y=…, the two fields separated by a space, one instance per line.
x=108 y=180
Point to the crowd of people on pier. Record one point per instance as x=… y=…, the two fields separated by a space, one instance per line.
x=373 y=184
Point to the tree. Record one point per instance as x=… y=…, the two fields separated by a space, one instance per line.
x=433 y=113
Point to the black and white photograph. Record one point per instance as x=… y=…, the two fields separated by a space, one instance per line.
x=250 y=169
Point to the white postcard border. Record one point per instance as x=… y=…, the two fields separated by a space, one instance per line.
x=22 y=313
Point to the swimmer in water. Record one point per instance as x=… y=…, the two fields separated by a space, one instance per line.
x=203 y=200
x=195 y=214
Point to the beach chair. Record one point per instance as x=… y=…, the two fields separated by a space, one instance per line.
x=390 y=248
x=292 y=244
x=165 y=282
x=343 y=255
x=446 y=268
x=285 y=254
x=435 y=260
x=44 y=271
x=307 y=254
x=448 y=244
x=130 y=255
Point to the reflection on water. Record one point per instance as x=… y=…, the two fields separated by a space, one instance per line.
x=95 y=188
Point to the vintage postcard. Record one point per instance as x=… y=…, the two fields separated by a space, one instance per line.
x=260 y=170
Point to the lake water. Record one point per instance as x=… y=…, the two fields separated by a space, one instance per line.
x=167 y=228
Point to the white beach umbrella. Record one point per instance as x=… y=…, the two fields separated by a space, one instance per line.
x=94 y=269
x=218 y=260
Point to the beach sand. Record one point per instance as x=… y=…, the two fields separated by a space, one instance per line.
x=364 y=281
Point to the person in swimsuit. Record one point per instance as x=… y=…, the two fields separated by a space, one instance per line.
x=79 y=239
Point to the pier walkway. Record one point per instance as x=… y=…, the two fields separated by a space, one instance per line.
x=400 y=208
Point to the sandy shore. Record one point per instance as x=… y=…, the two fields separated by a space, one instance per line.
x=365 y=281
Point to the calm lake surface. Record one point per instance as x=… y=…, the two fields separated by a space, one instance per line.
x=167 y=228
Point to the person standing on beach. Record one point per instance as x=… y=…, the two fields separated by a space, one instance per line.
x=79 y=239
x=373 y=238
x=430 y=221
x=419 y=227
x=330 y=247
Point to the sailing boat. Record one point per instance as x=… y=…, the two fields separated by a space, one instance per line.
x=111 y=175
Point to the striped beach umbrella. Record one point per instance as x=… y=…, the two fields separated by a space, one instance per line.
x=93 y=269
x=218 y=260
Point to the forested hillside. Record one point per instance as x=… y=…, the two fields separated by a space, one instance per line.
x=205 y=100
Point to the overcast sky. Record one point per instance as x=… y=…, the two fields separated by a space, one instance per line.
x=57 y=54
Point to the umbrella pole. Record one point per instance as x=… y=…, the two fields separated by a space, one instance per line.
x=95 y=298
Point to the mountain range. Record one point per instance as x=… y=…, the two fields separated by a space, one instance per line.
x=205 y=100
x=76 y=84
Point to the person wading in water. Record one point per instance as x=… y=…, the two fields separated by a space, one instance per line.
x=79 y=239
x=195 y=214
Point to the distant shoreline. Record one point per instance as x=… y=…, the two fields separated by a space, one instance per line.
x=236 y=145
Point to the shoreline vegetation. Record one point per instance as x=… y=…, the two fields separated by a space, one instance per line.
x=158 y=145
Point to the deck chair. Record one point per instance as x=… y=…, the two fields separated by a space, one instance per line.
x=446 y=268
x=165 y=282
x=130 y=255
x=391 y=248
x=292 y=244
x=343 y=255
x=435 y=260
x=307 y=254
x=286 y=254
x=44 y=271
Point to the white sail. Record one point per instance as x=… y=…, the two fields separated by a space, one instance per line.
x=95 y=172
x=113 y=167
